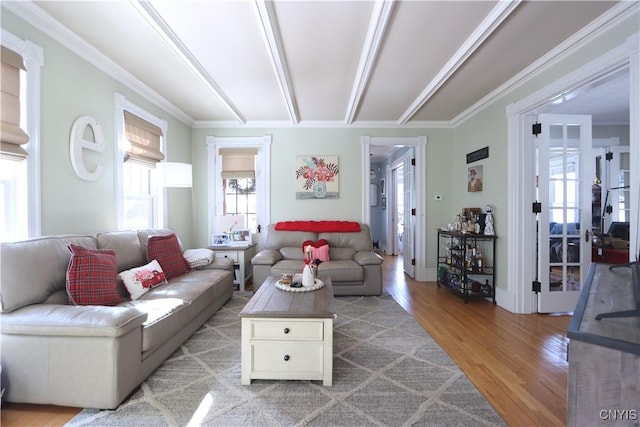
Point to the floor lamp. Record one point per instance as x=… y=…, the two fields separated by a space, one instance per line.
x=178 y=175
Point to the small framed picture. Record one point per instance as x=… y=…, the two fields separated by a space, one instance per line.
x=383 y=203
x=219 y=240
x=382 y=187
x=240 y=237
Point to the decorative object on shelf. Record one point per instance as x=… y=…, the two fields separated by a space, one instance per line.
x=308 y=276
x=474 y=179
x=291 y=287
x=219 y=240
x=317 y=177
x=239 y=237
x=488 y=222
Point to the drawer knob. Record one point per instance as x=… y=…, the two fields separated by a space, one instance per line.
x=286 y=330
x=286 y=357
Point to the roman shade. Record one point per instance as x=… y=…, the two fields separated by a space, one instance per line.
x=238 y=162
x=144 y=139
x=12 y=137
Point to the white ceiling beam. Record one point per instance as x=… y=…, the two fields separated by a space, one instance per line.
x=163 y=29
x=269 y=26
x=380 y=18
x=498 y=14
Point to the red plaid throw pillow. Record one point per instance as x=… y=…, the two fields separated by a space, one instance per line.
x=92 y=277
x=166 y=250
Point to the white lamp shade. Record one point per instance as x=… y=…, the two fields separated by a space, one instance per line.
x=174 y=174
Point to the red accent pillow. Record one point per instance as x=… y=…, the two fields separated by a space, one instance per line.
x=92 y=277
x=319 y=249
x=166 y=250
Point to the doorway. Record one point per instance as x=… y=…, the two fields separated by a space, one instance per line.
x=520 y=297
x=415 y=204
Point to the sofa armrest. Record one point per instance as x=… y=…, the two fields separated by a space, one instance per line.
x=367 y=258
x=218 y=263
x=266 y=257
x=72 y=320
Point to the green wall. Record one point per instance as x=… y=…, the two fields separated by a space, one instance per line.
x=72 y=87
x=287 y=143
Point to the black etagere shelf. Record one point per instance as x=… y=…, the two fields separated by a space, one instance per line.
x=466 y=264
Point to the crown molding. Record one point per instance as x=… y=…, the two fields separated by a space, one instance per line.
x=45 y=23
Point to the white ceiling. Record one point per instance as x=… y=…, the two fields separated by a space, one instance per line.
x=287 y=63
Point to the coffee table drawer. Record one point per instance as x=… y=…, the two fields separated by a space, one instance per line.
x=287 y=360
x=287 y=330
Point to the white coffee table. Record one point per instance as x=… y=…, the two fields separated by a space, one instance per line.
x=288 y=335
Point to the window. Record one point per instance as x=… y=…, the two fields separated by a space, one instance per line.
x=240 y=199
x=19 y=154
x=239 y=183
x=141 y=201
x=140 y=195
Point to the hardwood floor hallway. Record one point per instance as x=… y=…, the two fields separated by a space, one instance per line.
x=518 y=362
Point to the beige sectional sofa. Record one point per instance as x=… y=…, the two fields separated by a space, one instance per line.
x=94 y=356
x=354 y=268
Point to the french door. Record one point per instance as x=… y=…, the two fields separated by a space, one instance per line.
x=565 y=170
x=408 y=220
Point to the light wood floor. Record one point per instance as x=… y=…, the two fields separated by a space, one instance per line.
x=518 y=362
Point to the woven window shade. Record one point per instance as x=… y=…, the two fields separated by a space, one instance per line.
x=144 y=139
x=12 y=137
x=238 y=162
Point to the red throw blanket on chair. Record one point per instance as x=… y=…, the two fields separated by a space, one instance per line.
x=319 y=226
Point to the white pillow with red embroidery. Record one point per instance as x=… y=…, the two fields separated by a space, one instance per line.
x=141 y=280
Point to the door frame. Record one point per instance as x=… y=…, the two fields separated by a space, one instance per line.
x=519 y=298
x=420 y=182
x=263 y=178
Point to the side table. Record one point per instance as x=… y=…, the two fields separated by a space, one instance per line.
x=241 y=256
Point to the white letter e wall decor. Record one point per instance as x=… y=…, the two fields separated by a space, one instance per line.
x=77 y=143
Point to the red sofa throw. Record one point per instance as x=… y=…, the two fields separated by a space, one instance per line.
x=319 y=226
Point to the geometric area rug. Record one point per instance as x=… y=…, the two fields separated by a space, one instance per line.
x=387 y=371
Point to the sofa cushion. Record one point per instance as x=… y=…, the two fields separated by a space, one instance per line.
x=287 y=266
x=290 y=252
x=51 y=256
x=127 y=246
x=342 y=270
x=280 y=239
x=92 y=277
x=360 y=241
x=165 y=316
x=166 y=250
x=341 y=253
x=140 y=280
x=182 y=298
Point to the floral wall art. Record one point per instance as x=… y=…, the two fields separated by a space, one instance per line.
x=317 y=177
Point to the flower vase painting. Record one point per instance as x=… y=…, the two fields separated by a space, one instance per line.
x=317 y=177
